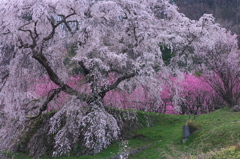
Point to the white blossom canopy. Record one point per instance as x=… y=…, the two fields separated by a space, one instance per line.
x=112 y=37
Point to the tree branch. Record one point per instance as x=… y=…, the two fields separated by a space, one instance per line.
x=55 y=26
x=35 y=29
x=54 y=77
x=31 y=35
x=189 y=43
x=67 y=23
x=105 y=89
x=51 y=94
x=4 y=80
x=85 y=70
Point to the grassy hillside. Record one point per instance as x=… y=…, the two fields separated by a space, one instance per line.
x=163 y=139
x=219 y=129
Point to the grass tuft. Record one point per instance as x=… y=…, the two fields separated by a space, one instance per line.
x=193 y=125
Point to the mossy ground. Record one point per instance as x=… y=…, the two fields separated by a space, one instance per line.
x=219 y=129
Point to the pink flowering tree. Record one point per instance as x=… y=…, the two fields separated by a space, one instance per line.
x=97 y=40
x=220 y=68
x=189 y=94
x=197 y=96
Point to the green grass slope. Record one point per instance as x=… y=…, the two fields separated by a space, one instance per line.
x=161 y=136
x=219 y=129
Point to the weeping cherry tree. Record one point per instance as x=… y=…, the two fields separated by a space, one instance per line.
x=96 y=40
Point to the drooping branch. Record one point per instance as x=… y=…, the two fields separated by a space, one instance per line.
x=51 y=94
x=105 y=89
x=62 y=86
x=120 y=79
x=4 y=80
x=54 y=26
x=187 y=46
x=30 y=34
x=54 y=77
x=66 y=23
x=35 y=29
x=44 y=62
x=86 y=36
x=85 y=70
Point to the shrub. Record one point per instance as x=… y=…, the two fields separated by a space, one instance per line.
x=237 y=146
x=193 y=126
